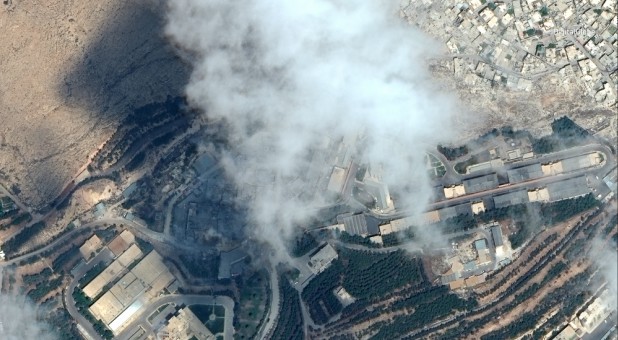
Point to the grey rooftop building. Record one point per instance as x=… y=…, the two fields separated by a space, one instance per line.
x=481 y=183
x=576 y=163
x=321 y=259
x=496 y=235
x=570 y=188
x=461 y=209
x=231 y=263
x=361 y=224
x=525 y=173
x=611 y=180
x=511 y=198
x=379 y=190
x=480 y=244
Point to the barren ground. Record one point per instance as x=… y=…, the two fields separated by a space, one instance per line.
x=71 y=70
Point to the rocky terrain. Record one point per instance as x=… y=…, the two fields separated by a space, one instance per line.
x=71 y=71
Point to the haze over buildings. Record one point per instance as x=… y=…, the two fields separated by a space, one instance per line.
x=293 y=79
x=18 y=320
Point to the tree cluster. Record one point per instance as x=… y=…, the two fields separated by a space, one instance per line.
x=11 y=246
x=43 y=288
x=63 y=259
x=565 y=134
x=453 y=153
x=368 y=275
x=303 y=244
x=290 y=322
x=318 y=294
x=37 y=277
x=427 y=309
x=65 y=328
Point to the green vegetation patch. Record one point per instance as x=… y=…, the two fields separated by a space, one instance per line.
x=398 y=237
x=453 y=153
x=211 y=316
x=544 y=11
x=44 y=274
x=318 y=294
x=425 y=308
x=356 y=239
x=11 y=246
x=611 y=225
x=252 y=305
x=546 y=215
x=369 y=275
x=65 y=258
x=363 y=274
x=204 y=268
x=290 y=323
x=565 y=134
x=43 y=288
x=65 y=327
x=303 y=244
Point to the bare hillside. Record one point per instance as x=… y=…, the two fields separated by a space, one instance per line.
x=71 y=70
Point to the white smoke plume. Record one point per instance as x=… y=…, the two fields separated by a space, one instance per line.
x=19 y=321
x=605 y=258
x=291 y=79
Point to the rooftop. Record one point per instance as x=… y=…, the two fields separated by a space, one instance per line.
x=322 y=258
x=496 y=235
x=481 y=183
x=511 y=198
x=228 y=260
x=361 y=224
x=90 y=246
x=570 y=188
x=121 y=242
x=480 y=244
x=186 y=325
x=525 y=173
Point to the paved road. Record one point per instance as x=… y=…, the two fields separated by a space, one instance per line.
x=139 y=229
x=133 y=150
x=273 y=311
x=225 y=301
x=450 y=173
x=68 y=294
x=92 y=225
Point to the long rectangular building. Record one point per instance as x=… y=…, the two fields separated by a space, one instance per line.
x=511 y=198
x=461 y=209
x=481 y=183
x=580 y=162
x=525 y=173
x=125 y=299
x=108 y=275
x=496 y=235
x=570 y=188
